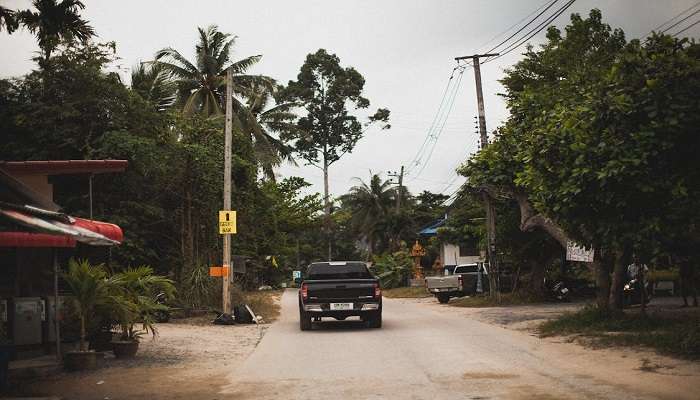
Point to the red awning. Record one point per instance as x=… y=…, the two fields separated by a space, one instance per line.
x=57 y=230
x=61 y=167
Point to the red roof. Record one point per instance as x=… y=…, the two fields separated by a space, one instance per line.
x=62 y=167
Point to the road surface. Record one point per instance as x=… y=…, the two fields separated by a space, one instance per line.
x=425 y=352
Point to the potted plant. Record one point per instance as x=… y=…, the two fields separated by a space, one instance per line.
x=90 y=291
x=142 y=289
x=6 y=353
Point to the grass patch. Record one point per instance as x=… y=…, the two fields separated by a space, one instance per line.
x=265 y=303
x=670 y=333
x=406 y=292
x=506 y=299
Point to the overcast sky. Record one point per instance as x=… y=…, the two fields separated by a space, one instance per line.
x=405 y=49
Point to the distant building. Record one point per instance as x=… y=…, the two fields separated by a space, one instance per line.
x=451 y=254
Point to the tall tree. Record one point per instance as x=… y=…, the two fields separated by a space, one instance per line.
x=202 y=83
x=153 y=83
x=329 y=129
x=53 y=22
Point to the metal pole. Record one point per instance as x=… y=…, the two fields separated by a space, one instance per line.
x=227 y=190
x=90 y=185
x=57 y=321
x=398 y=197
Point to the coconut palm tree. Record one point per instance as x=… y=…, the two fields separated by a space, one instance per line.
x=53 y=22
x=202 y=83
x=265 y=123
x=153 y=83
x=8 y=20
x=371 y=206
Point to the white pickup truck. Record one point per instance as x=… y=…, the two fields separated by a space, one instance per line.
x=465 y=280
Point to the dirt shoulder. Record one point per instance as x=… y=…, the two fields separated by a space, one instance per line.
x=189 y=360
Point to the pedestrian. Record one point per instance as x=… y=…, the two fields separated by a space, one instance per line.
x=688 y=280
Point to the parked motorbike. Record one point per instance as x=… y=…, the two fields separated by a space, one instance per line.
x=632 y=293
x=557 y=290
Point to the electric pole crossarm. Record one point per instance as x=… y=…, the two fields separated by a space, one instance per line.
x=477 y=56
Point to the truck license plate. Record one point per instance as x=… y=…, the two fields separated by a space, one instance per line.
x=341 y=306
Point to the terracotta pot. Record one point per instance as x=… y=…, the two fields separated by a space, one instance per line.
x=80 y=360
x=125 y=348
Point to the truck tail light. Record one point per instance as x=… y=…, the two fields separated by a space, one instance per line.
x=377 y=290
x=304 y=291
x=460 y=280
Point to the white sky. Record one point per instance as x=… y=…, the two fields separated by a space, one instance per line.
x=404 y=48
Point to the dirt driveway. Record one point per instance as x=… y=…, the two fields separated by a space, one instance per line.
x=186 y=362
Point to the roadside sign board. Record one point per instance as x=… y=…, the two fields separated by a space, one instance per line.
x=296 y=274
x=219 y=271
x=227 y=222
x=574 y=252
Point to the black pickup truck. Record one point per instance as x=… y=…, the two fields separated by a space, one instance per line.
x=339 y=289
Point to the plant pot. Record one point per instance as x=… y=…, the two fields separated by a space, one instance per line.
x=125 y=348
x=102 y=341
x=80 y=360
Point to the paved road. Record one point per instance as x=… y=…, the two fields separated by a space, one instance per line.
x=421 y=352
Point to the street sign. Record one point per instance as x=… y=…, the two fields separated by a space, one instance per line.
x=219 y=271
x=296 y=274
x=574 y=252
x=227 y=222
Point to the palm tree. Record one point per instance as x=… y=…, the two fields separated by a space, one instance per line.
x=265 y=124
x=8 y=19
x=371 y=207
x=53 y=22
x=153 y=84
x=201 y=84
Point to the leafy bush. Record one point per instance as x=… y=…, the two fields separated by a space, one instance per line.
x=393 y=270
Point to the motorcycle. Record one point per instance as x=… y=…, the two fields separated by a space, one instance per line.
x=632 y=293
x=557 y=291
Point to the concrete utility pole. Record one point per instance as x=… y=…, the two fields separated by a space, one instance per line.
x=490 y=211
x=400 y=190
x=227 y=191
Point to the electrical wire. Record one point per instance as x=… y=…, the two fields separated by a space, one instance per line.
x=686 y=28
x=512 y=26
x=436 y=136
x=534 y=31
x=428 y=135
x=524 y=26
x=679 y=22
x=672 y=19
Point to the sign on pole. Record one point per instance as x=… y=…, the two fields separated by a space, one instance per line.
x=227 y=222
x=574 y=252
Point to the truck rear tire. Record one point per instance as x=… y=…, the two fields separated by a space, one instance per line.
x=443 y=298
x=376 y=321
x=304 y=321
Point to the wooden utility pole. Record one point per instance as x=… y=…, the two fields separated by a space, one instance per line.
x=488 y=204
x=227 y=191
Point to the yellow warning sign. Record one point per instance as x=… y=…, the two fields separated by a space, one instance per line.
x=227 y=222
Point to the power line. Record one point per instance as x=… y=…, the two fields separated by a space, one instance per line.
x=686 y=28
x=679 y=22
x=523 y=27
x=534 y=31
x=672 y=19
x=436 y=136
x=513 y=26
x=432 y=125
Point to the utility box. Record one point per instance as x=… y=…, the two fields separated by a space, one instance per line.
x=27 y=320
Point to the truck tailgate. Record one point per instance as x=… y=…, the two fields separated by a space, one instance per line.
x=340 y=290
x=435 y=282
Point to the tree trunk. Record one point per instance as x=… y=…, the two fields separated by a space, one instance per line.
x=327 y=206
x=534 y=285
x=83 y=347
x=618 y=282
x=603 y=264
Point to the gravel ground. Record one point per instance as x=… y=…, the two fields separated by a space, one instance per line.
x=185 y=362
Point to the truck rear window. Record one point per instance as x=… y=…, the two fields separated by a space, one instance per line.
x=321 y=271
x=464 y=269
